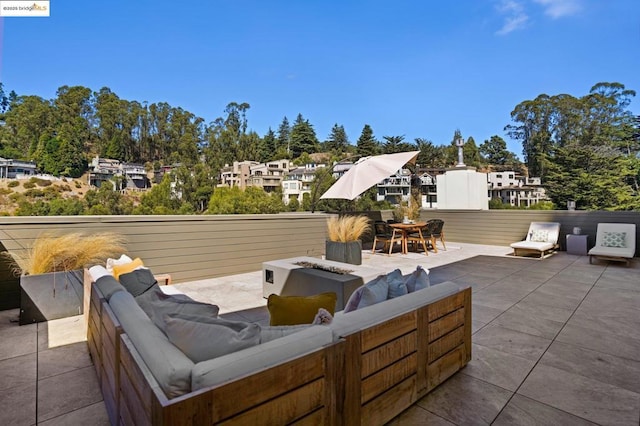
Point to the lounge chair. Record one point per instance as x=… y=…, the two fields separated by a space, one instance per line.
x=542 y=238
x=614 y=241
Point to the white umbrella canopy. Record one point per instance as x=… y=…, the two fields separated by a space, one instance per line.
x=367 y=172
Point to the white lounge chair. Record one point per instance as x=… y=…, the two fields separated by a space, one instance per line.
x=614 y=241
x=542 y=238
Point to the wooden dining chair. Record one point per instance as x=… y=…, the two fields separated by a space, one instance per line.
x=418 y=237
x=384 y=233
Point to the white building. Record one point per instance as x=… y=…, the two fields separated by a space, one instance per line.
x=12 y=169
x=298 y=182
x=395 y=188
x=516 y=190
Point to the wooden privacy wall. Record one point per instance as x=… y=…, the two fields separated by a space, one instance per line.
x=188 y=247
x=503 y=227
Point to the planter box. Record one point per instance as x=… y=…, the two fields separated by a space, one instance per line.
x=45 y=297
x=349 y=252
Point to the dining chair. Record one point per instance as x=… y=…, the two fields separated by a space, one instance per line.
x=436 y=232
x=417 y=236
x=384 y=233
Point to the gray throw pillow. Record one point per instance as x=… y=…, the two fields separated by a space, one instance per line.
x=375 y=291
x=417 y=280
x=354 y=300
x=155 y=303
x=203 y=338
x=397 y=286
x=138 y=281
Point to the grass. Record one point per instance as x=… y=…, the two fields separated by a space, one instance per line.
x=68 y=252
x=347 y=228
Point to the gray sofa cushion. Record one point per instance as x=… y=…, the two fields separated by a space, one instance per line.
x=170 y=367
x=251 y=360
x=108 y=286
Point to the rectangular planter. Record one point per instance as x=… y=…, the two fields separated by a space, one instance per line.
x=45 y=297
x=348 y=252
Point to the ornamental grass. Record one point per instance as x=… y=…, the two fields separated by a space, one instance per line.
x=67 y=252
x=347 y=228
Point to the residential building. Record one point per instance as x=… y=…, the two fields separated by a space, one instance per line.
x=15 y=169
x=133 y=176
x=516 y=190
x=396 y=188
x=269 y=176
x=298 y=182
x=237 y=174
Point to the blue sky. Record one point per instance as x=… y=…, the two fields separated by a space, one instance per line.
x=412 y=68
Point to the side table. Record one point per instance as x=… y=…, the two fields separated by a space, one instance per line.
x=577 y=244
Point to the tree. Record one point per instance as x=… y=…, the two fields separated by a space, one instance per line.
x=367 y=144
x=267 y=146
x=495 y=150
x=430 y=155
x=392 y=144
x=303 y=137
x=337 y=140
x=284 y=136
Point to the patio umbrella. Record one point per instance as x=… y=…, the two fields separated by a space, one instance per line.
x=367 y=172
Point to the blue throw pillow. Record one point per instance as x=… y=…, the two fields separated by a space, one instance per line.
x=374 y=291
x=417 y=280
x=354 y=300
x=397 y=286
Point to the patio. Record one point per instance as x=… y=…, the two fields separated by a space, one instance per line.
x=556 y=341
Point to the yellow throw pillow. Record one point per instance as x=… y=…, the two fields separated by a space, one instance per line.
x=294 y=310
x=126 y=268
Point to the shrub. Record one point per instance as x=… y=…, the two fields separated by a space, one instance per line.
x=347 y=228
x=29 y=185
x=13 y=184
x=68 y=252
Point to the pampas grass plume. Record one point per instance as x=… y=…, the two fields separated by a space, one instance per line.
x=347 y=228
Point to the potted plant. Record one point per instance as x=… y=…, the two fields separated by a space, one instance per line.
x=344 y=244
x=51 y=276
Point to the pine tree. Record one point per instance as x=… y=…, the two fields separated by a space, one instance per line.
x=303 y=138
x=337 y=140
x=284 y=135
x=367 y=144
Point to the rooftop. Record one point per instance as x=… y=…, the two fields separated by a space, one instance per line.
x=555 y=341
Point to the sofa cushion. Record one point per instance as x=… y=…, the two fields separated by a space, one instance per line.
x=269 y=333
x=156 y=304
x=293 y=310
x=170 y=367
x=138 y=281
x=259 y=358
x=417 y=280
x=614 y=239
x=108 y=286
x=397 y=285
x=203 y=338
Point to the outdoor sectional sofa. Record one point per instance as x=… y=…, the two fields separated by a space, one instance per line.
x=365 y=368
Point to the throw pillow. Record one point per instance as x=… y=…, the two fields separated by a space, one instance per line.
x=417 y=280
x=614 y=239
x=127 y=267
x=354 y=300
x=203 y=338
x=138 y=281
x=294 y=310
x=375 y=291
x=397 y=286
x=119 y=261
x=539 y=235
x=155 y=303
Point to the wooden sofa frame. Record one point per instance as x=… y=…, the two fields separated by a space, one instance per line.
x=368 y=377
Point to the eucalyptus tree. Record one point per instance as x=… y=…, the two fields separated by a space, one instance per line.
x=28 y=120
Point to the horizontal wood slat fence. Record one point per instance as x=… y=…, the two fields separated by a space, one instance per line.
x=198 y=247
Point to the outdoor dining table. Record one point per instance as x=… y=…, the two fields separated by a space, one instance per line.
x=406 y=229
